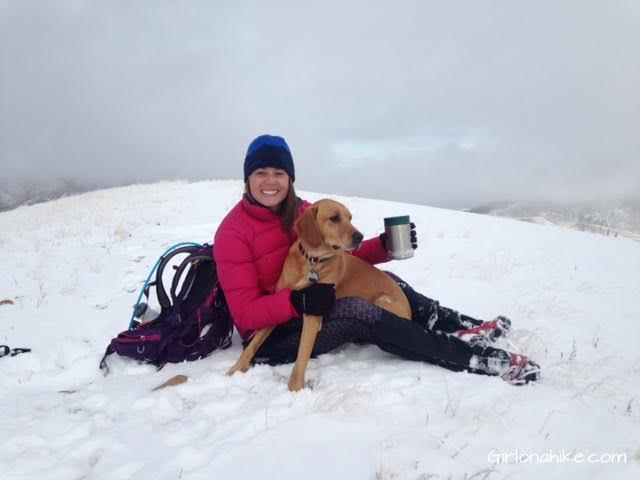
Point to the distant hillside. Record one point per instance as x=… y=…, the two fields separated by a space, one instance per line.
x=29 y=193
x=611 y=219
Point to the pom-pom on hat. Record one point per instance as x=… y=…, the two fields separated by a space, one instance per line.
x=269 y=151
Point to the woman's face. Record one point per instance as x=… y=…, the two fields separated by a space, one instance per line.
x=269 y=186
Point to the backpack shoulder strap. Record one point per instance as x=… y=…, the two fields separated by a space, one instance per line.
x=163 y=298
x=200 y=280
x=160 y=291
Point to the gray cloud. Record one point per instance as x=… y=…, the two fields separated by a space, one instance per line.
x=444 y=103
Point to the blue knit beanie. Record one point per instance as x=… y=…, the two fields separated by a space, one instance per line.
x=269 y=151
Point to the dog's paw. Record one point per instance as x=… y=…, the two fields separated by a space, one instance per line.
x=239 y=367
x=295 y=385
x=296 y=381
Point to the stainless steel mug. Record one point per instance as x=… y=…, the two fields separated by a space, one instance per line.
x=398 y=231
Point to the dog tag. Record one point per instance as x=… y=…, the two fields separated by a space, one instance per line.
x=313 y=276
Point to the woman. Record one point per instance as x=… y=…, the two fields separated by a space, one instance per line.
x=251 y=245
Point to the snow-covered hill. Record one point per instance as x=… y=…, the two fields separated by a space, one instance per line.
x=73 y=267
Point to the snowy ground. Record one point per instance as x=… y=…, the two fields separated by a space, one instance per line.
x=73 y=268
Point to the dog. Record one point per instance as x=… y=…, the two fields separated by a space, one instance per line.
x=325 y=236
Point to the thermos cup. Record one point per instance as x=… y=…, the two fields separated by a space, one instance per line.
x=398 y=231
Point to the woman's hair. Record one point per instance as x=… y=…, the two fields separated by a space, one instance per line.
x=286 y=210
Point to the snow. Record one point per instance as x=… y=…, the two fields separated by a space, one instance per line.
x=73 y=268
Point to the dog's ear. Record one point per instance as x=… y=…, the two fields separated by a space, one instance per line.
x=307 y=227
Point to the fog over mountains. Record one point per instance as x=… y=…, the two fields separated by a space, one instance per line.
x=24 y=192
x=447 y=104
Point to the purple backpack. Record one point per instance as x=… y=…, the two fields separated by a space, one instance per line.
x=194 y=318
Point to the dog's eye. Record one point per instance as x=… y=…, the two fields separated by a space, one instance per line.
x=335 y=219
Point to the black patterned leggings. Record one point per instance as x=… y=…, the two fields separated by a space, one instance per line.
x=353 y=319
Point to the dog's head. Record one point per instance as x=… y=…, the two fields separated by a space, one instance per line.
x=327 y=223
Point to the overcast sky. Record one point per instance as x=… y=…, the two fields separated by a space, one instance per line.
x=446 y=103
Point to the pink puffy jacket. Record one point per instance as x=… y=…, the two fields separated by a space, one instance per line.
x=250 y=248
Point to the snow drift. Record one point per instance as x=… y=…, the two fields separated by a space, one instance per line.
x=72 y=268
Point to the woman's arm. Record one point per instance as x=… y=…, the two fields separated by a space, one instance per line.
x=250 y=308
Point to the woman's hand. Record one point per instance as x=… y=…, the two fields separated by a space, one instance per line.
x=316 y=299
x=414 y=238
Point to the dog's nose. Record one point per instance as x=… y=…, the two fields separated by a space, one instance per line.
x=356 y=238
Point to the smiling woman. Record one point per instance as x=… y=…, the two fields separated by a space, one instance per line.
x=269 y=186
x=269 y=174
x=251 y=246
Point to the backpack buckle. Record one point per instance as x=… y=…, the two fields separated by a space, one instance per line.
x=141 y=348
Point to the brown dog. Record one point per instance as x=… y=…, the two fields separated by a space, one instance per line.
x=326 y=235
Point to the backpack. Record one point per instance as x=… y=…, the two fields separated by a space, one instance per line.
x=192 y=322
